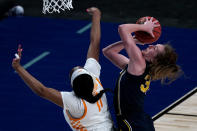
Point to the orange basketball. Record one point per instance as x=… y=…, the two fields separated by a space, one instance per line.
x=145 y=37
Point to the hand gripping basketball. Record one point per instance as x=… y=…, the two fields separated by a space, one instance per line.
x=146 y=37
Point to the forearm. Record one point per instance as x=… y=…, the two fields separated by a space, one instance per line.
x=32 y=82
x=125 y=31
x=130 y=28
x=115 y=47
x=95 y=34
x=111 y=52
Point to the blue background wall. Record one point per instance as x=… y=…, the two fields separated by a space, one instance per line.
x=22 y=110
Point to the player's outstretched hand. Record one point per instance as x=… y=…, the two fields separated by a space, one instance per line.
x=150 y=25
x=94 y=11
x=16 y=60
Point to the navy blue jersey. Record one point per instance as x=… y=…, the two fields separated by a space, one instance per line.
x=129 y=98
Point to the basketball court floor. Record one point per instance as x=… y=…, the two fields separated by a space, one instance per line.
x=51 y=47
x=181 y=118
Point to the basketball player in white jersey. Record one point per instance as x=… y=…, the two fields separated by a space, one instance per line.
x=85 y=108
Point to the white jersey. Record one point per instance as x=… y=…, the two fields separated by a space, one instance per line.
x=82 y=115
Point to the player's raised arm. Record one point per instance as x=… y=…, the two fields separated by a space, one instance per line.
x=35 y=85
x=136 y=60
x=112 y=52
x=95 y=34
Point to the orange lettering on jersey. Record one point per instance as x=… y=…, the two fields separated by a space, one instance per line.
x=98 y=106
x=75 y=126
x=96 y=86
x=101 y=103
x=99 y=81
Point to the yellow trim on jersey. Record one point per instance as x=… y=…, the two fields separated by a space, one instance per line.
x=121 y=74
x=128 y=125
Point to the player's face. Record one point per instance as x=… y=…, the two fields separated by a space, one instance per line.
x=151 y=52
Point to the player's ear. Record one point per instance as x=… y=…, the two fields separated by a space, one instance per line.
x=73 y=69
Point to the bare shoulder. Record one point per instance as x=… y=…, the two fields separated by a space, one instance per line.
x=137 y=67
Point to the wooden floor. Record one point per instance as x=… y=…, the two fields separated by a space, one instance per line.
x=182 y=118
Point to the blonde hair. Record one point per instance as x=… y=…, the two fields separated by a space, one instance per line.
x=164 y=66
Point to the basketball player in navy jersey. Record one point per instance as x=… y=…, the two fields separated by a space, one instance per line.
x=157 y=62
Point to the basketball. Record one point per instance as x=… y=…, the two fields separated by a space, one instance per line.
x=145 y=37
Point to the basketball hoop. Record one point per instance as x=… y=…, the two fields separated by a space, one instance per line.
x=51 y=6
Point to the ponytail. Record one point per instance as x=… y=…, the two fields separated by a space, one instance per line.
x=83 y=86
x=93 y=99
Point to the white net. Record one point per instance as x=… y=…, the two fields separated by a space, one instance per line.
x=51 y=6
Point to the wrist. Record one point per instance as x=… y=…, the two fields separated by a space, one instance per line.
x=141 y=27
x=18 y=68
x=97 y=15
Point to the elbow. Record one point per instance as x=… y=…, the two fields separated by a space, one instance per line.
x=122 y=28
x=123 y=32
x=106 y=52
x=40 y=91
